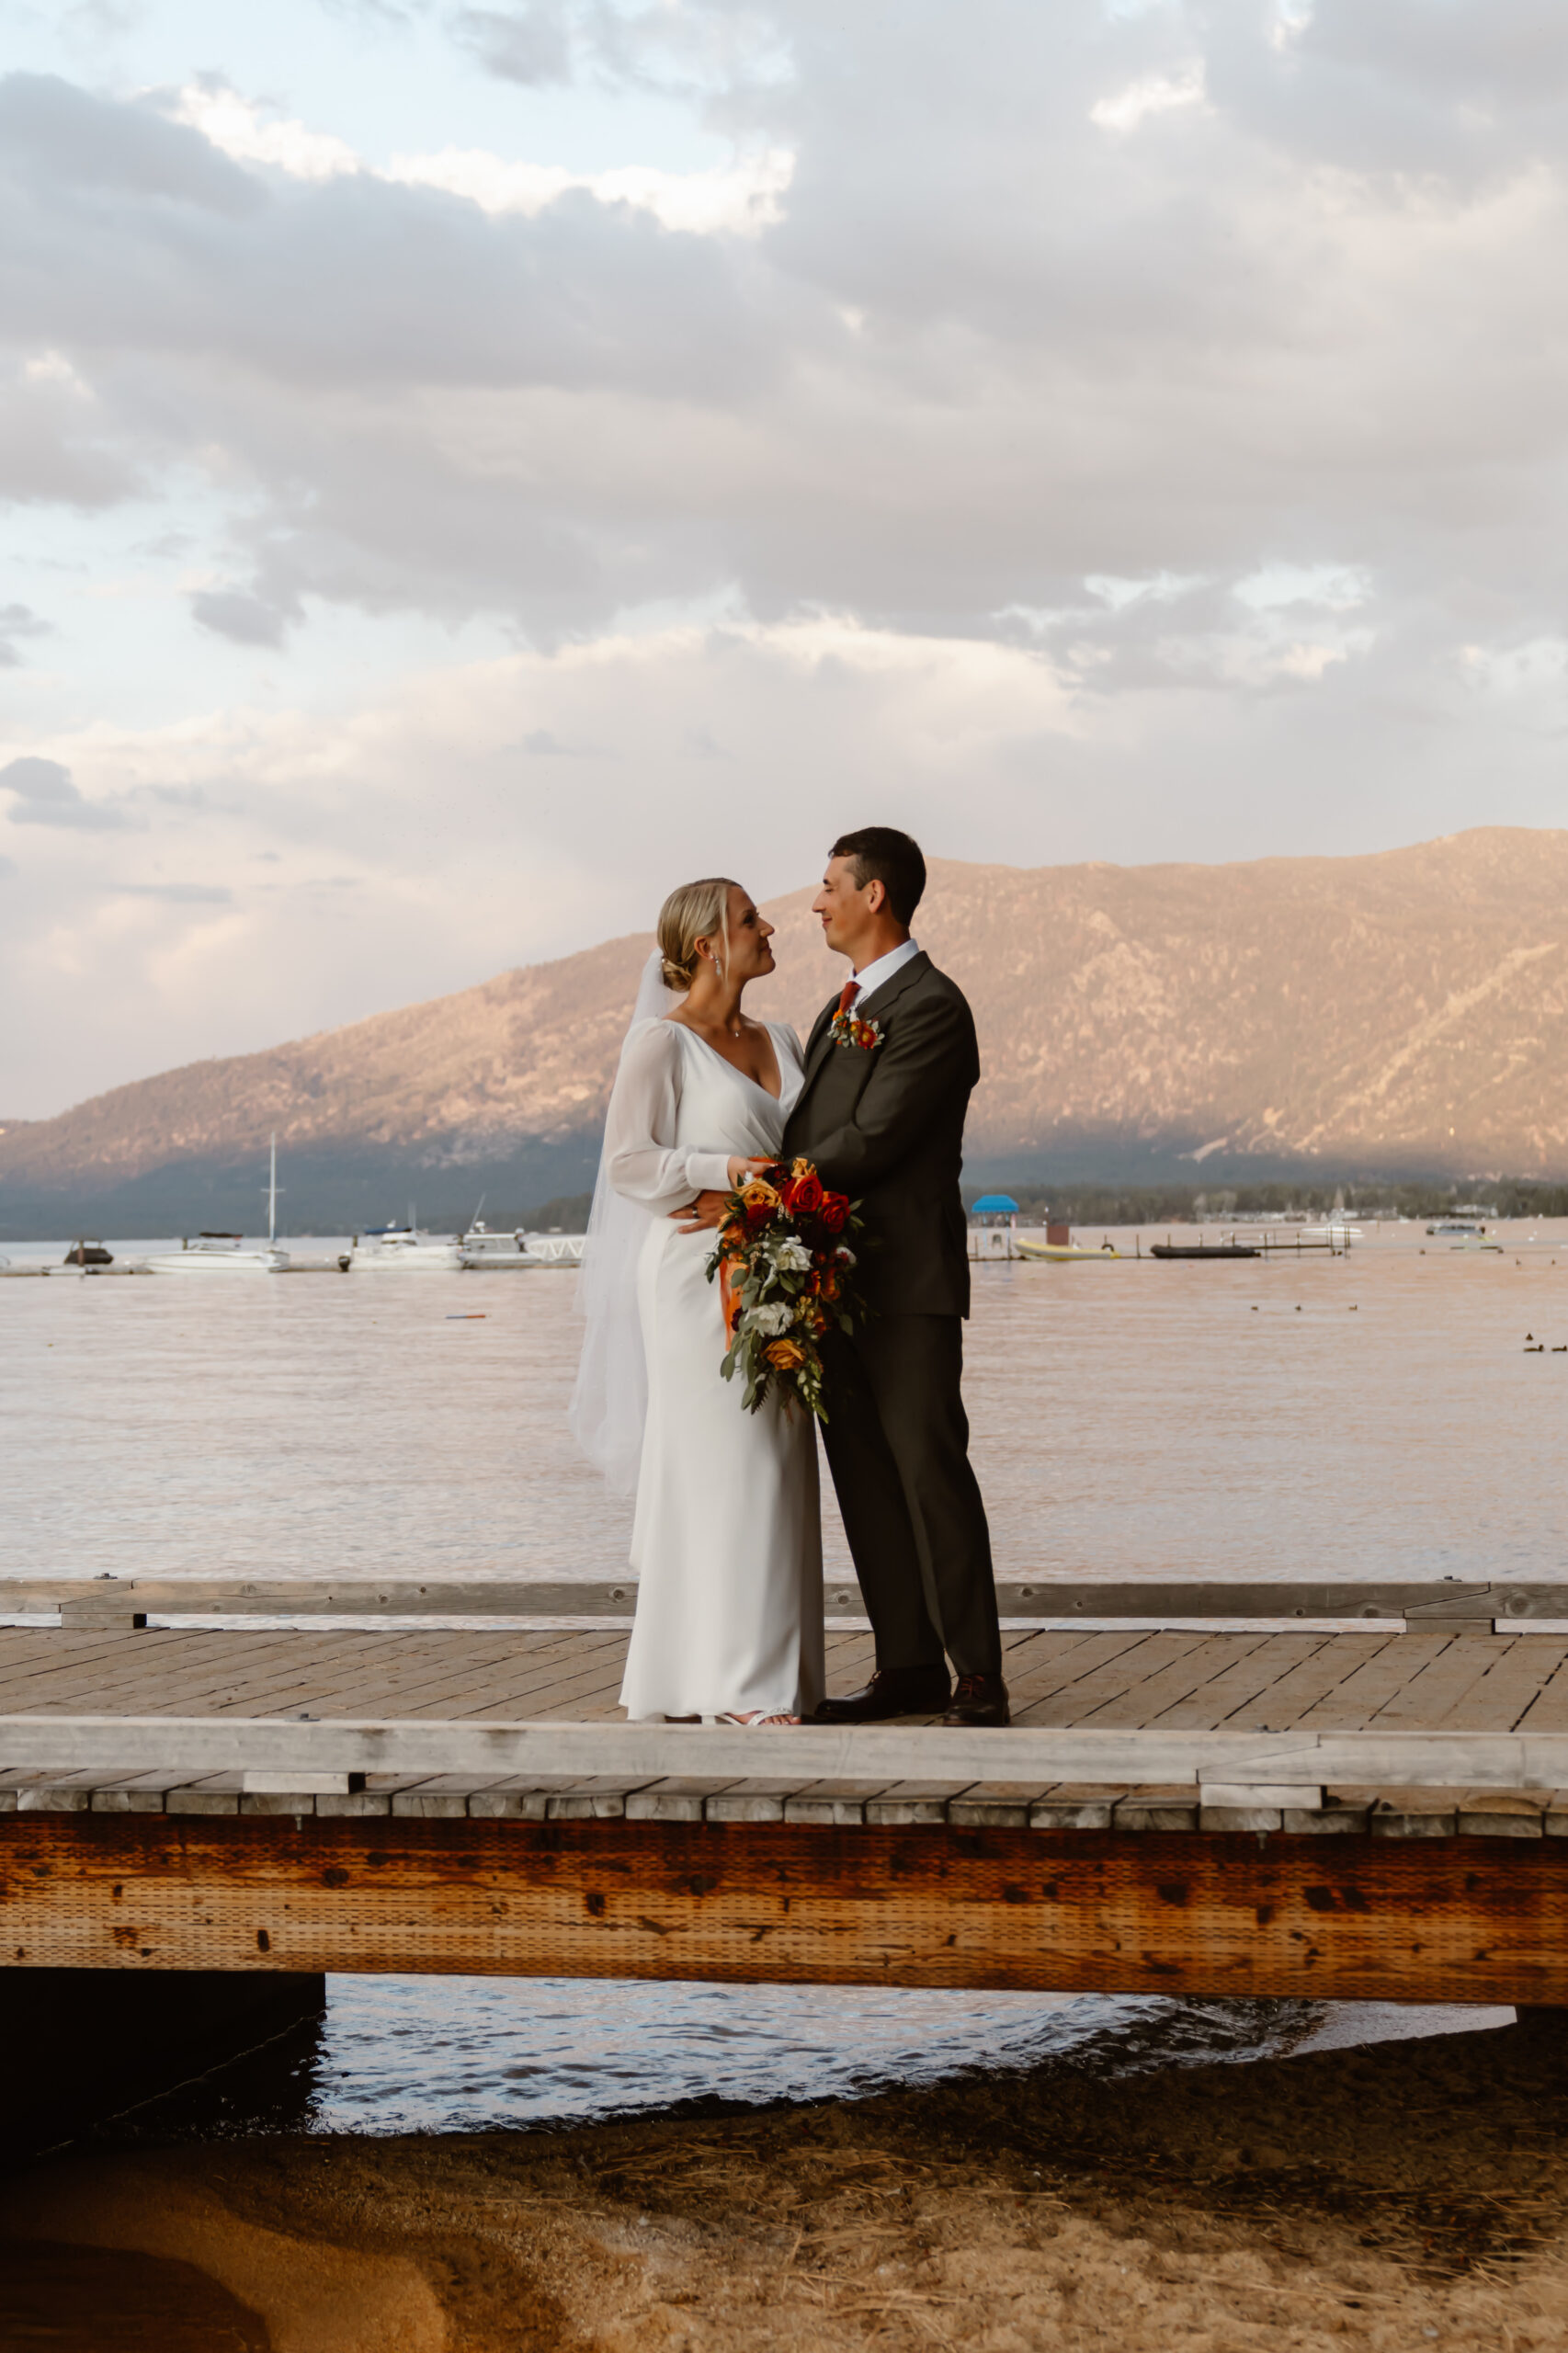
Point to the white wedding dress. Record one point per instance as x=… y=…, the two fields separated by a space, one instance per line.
x=727 y=1536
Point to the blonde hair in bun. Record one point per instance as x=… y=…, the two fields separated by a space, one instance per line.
x=695 y=911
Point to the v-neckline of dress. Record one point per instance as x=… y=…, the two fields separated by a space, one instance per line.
x=734 y=1068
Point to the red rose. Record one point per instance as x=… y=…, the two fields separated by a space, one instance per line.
x=835 y=1211
x=803 y=1195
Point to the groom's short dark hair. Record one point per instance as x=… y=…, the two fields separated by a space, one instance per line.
x=881 y=854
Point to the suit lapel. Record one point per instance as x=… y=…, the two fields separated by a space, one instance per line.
x=905 y=978
x=820 y=1044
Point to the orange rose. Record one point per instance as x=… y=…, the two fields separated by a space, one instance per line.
x=786 y=1355
x=761 y=1200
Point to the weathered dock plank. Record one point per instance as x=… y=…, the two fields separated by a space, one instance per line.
x=1087 y=1910
x=1310 y=1680
x=491 y=1747
x=110 y=1601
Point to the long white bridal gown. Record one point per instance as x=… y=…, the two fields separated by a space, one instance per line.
x=727 y=1536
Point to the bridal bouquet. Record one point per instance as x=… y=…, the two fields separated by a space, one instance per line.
x=786 y=1271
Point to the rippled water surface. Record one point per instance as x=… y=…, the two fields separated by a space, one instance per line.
x=410 y=2055
x=1328 y=1416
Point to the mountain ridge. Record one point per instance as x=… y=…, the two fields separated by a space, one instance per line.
x=1401 y=1011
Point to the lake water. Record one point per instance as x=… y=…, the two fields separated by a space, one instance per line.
x=411 y=2054
x=1375 y=1414
x=1370 y=1415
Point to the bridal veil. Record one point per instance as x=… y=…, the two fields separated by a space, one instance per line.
x=609 y=1400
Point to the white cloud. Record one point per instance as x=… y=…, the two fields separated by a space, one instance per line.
x=1155 y=93
x=742 y=199
x=238 y=129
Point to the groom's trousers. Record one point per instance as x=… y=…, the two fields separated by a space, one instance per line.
x=897 y=1439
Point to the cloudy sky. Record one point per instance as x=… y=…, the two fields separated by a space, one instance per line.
x=467 y=468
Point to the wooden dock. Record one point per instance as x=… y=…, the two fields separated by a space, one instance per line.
x=1290 y=1809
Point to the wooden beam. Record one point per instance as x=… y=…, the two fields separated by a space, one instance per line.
x=1059 y=1911
x=882 y=1754
x=100 y=1600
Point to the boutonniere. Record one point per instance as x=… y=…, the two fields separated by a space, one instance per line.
x=849 y=1031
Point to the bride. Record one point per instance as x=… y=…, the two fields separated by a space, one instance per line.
x=726 y=1539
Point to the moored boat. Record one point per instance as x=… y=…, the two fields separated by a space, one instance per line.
x=1027 y=1245
x=225 y=1253
x=483 y=1251
x=402 y=1250
x=218 y=1254
x=1204 y=1250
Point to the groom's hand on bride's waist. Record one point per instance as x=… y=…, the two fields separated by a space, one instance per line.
x=708 y=1209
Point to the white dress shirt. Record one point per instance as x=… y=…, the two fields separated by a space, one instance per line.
x=872 y=978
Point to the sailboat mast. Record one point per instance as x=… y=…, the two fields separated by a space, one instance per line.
x=272 y=1195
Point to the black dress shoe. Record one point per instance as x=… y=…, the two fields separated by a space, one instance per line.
x=978 y=1700
x=891 y=1691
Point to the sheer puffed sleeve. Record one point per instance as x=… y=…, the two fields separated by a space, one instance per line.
x=645 y=1164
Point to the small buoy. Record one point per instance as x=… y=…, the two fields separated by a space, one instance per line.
x=1297 y=1309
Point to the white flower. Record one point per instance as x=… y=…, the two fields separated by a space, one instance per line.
x=770 y=1320
x=845 y=1255
x=792 y=1256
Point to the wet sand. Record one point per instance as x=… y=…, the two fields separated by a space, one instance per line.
x=1399 y=2196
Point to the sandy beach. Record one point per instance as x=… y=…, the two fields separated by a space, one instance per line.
x=1399 y=2196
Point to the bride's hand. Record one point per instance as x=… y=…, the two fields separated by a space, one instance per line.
x=740 y=1168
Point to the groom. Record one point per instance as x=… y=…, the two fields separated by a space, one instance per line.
x=883 y=1121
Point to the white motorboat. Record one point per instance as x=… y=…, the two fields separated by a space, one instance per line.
x=218 y=1254
x=556 y=1249
x=225 y=1253
x=483 y=1251
x=402 y=1250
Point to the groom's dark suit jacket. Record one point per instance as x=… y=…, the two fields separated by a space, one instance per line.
x=886 y=1127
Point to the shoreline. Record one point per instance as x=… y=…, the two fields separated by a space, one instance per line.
x=1383 y=2193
